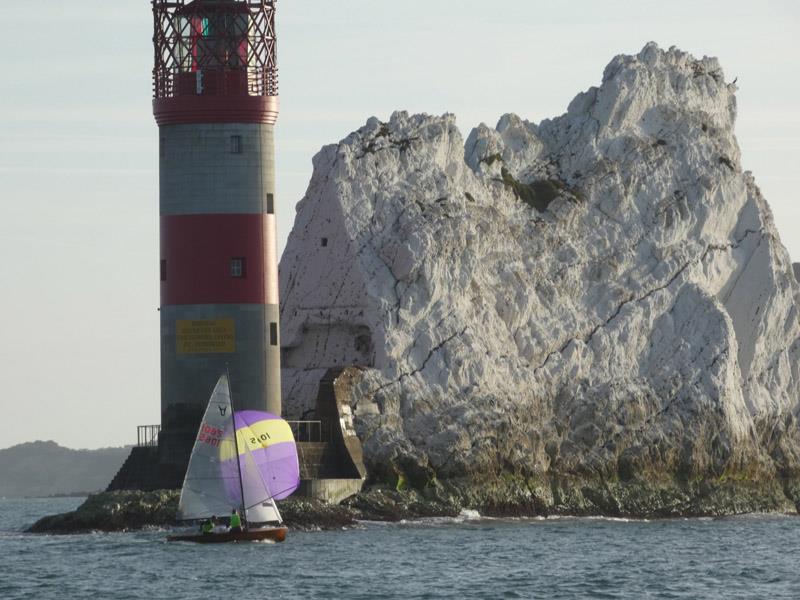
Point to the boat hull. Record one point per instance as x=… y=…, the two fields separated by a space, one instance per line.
x=275 y=534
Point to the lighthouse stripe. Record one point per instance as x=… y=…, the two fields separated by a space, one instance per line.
x=216 y=168
x=197 y=253
x=182 y=110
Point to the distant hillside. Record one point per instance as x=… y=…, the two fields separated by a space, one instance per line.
x=46 y=469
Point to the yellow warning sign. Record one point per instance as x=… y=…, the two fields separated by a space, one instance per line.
x=205 y=336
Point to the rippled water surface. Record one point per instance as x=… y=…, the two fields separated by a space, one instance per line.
x=742 y=557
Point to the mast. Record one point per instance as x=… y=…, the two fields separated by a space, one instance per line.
x=236 y=445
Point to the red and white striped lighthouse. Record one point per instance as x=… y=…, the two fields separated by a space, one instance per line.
x=216 y=102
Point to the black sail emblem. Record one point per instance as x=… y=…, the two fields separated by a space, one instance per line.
x=222 y=410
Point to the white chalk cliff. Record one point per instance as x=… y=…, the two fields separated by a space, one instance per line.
x=586 y=304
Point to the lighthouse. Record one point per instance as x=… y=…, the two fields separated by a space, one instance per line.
x=215 y=91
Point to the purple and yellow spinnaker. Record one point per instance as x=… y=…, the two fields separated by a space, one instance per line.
x=267 y=458
x=245 y=472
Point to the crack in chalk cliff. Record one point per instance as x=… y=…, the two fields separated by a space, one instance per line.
x=617 y=311
x=735 y=244
x=435 y=328
x=604 y=258
x=744 y=267
x=413 y=372
x=675 y=397
x=634 y=433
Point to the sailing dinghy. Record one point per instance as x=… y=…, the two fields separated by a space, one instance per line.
x=242 y=460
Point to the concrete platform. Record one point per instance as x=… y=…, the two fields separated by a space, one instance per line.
x=331 y=491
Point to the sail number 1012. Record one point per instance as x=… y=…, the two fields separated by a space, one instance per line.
x=259 y=439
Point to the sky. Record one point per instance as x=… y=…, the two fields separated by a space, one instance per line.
x=78 y=151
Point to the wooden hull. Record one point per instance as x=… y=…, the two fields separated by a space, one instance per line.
x=275 y=534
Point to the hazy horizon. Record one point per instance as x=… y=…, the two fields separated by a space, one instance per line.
x=77 y=449
x=78 y=159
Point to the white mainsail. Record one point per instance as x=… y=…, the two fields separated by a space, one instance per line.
x=207 y=487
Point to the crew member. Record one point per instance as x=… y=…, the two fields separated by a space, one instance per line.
x=207 y=526
x=236 y=522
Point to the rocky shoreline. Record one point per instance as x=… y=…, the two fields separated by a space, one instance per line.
x=135 y=510
x=505 y=497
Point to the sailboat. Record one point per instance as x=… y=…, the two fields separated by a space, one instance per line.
x=243 y=461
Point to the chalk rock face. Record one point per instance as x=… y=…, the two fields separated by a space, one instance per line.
x=796 y=267
x=599 y=297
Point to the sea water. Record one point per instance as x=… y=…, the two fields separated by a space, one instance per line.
x=754 y=556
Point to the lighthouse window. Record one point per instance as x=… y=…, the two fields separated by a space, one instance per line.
x=270 y=204
x=163 y=267
x=238 y=266
x=273 y=334
x=236 y=144
x=324 y=242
